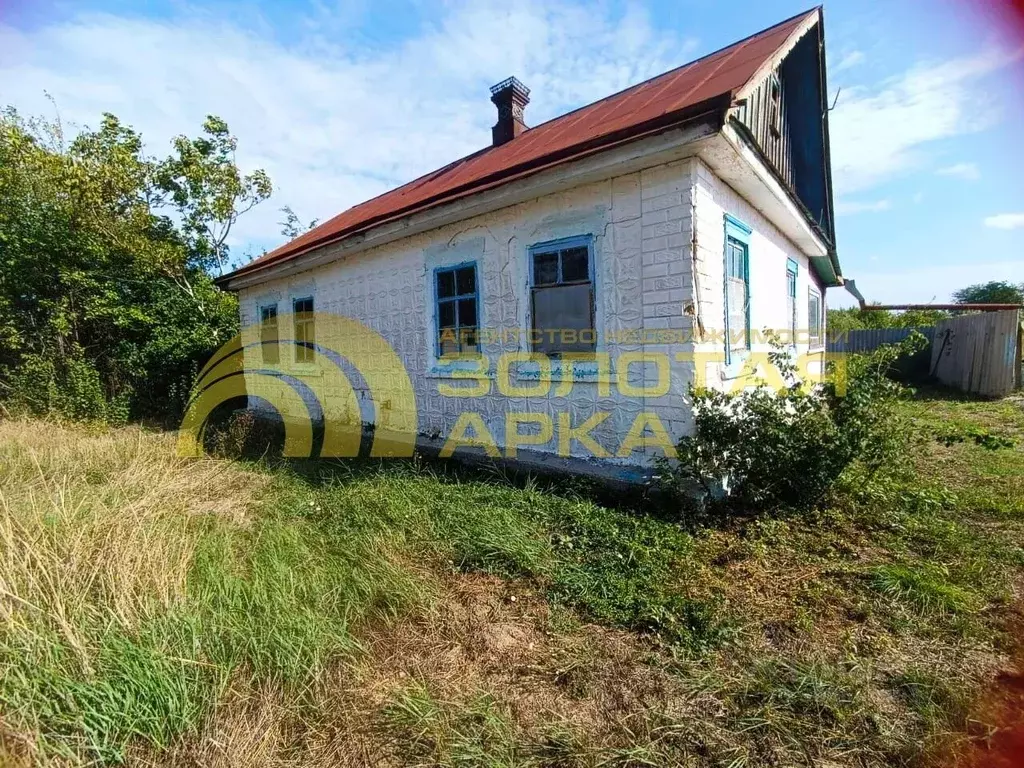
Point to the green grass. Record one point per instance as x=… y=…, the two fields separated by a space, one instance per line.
x=925 y=587
x=473 y=732
x=146 y=589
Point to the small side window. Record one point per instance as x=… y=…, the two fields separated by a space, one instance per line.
x=305 y=330
x=791 y=275
x=268 y=334
x=814 y=317
x=737 y=294
x=737 y=288
x=457 y=310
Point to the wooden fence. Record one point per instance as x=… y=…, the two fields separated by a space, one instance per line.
x=979 y=353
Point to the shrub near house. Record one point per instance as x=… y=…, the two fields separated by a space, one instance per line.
x=765 y=448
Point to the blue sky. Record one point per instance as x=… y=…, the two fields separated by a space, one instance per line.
x=340 y=101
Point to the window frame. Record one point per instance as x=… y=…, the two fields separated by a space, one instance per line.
x=818 y=341
x=555 y=246
x=453 y=268
x=308 y=354
x=264 y=333
x=738 y=232
x=792 y=290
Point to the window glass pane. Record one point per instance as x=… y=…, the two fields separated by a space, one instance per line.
x=545 y=268
x=465 y=281
x=305 y=331
x=814 y=315
x=445 y=284
x=734 y=259
x=561 y=313
x=736 y=298
x=467 y=312
x=268 y=334
x=575 y=264
x=467 y=340
x=446 y=314
x=449 y=343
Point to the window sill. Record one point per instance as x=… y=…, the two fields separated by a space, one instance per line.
x=460 y=369
x=735 y=368
x=582 y=371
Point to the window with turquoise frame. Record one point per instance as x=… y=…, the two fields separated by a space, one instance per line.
x=305 y=329
x=814 y=320
x=792 y=271
x=457 y=310
x=562 y=307
x=737 y=288
x=268 y=333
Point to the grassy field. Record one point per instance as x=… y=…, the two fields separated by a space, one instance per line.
x=158 y=611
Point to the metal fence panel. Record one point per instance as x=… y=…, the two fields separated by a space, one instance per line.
x=870 y=339
x=979 y=353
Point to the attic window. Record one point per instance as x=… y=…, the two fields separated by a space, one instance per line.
x=774 y=105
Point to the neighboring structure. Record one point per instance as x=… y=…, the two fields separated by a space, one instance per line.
x=652 y=221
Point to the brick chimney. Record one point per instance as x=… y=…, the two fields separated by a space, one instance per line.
x=510 y=97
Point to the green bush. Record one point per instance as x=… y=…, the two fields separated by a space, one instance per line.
x=763 y=449
x=70 y=388
x=34 y=386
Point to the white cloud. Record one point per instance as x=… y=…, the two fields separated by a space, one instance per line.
x=966 y=171
x=332 y=124
x=879 y=132
x=1005 y=221
x=861 y=206
x=851 y=59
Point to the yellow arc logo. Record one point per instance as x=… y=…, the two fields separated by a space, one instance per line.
x=301 y=374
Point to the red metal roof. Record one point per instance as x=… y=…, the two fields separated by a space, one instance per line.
x=713 y=77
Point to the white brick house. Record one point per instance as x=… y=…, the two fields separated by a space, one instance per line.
x=674 y=220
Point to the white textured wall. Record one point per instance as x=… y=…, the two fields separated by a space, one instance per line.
x=641 y=228
x=769 y=251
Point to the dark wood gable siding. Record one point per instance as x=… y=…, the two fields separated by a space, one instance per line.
x=766 y=117
x=794 y=143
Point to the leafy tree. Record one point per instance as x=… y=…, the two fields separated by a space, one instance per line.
x=993 y=292
x=208 y=191
x=107 y=305
x=292 y=226
x=841 y=320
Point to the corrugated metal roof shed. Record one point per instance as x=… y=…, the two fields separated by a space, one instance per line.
x=712 y=78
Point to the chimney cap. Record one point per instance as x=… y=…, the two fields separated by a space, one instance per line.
x=513 y=84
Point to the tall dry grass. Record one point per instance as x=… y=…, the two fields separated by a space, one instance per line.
x=103 y=524
x=98 y=531
x=138 y=590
